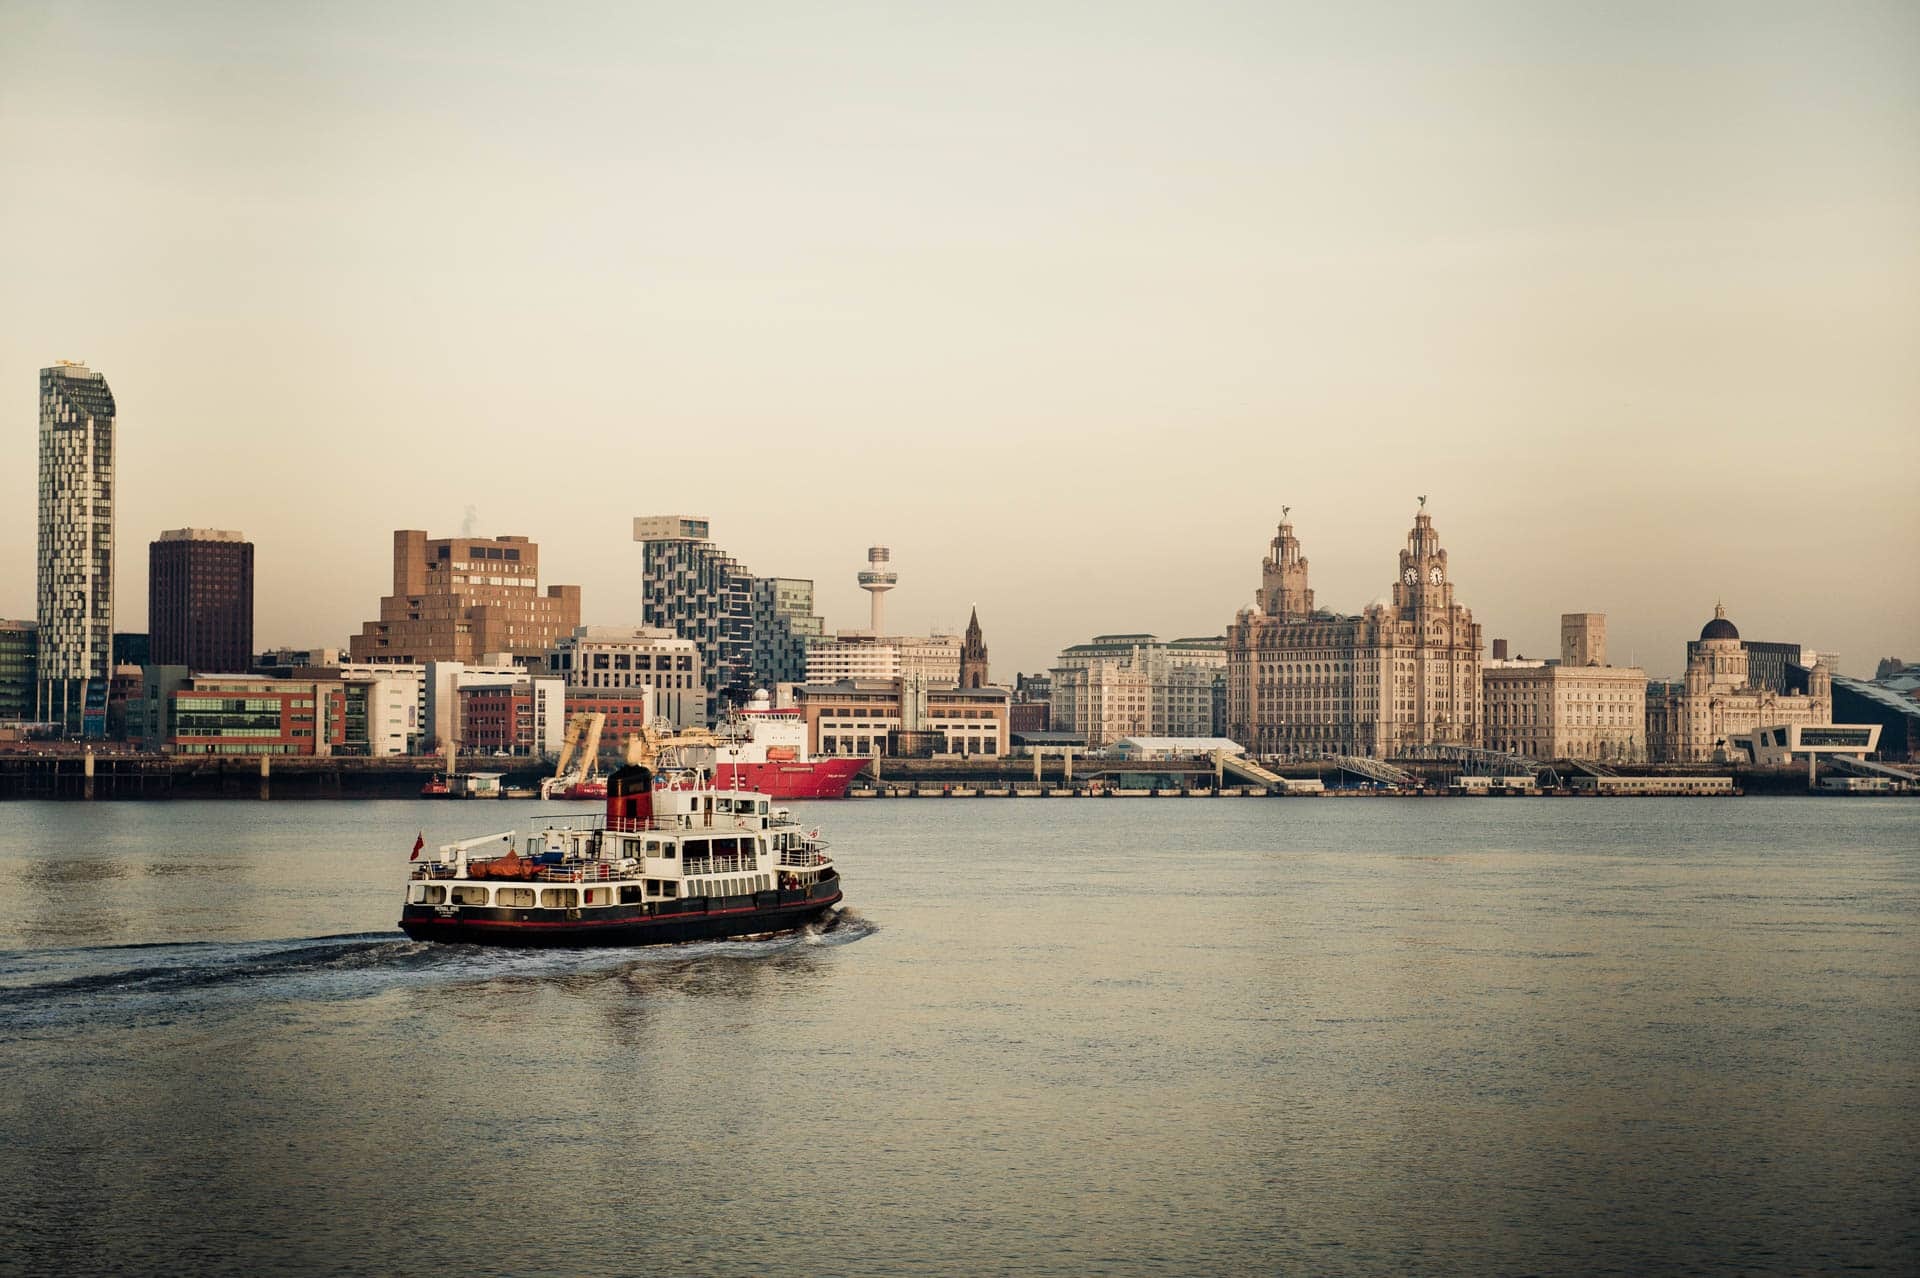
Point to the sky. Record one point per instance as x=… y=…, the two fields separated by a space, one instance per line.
x=1062 y=302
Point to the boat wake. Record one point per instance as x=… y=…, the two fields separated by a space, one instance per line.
x=45 y=990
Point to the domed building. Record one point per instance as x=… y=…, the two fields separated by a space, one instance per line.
x=1695 y=720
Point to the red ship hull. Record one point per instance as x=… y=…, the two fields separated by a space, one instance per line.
x=817 y=779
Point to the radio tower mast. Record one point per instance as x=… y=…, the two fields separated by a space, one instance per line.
x=877 y=580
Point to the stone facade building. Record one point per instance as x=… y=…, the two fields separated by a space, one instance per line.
x=1400 y=674
x=1576 y=708
x=1136 y=685
x=1695 y=720
x=462 y=598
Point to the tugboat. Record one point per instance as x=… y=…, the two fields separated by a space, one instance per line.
x=675 y=858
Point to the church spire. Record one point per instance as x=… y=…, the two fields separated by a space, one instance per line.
x=973 y=654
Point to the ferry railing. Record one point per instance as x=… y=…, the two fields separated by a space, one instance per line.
x=584 y=872
x=801 y=858
x=720 y=865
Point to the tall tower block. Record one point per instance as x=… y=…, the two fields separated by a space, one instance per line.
x=877 y=580
x=1583 y=638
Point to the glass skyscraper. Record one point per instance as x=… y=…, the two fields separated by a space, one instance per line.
x=75 y=583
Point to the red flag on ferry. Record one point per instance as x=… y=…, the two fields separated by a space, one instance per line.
x=419 y=841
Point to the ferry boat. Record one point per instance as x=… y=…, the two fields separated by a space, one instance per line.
x=674 y=858
x=764 y=749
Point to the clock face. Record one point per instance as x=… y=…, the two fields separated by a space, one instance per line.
x=1434 y=576
x=1413 y=576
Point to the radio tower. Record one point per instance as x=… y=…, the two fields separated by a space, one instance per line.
x=877 y=580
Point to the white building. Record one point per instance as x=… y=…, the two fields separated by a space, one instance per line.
x=607 y=658
x=1137 y=685
x=934 y=658
x=75 y=580
x=1148 y=748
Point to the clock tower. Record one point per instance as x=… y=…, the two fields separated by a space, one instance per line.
x=1423 y=587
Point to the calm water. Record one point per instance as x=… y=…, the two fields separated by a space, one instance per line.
x=1050 y=1037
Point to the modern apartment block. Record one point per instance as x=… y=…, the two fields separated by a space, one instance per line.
x=19 y=643
x=460 y=598
x=76 y=563
x=613 y=660
x=200 y=600
x=784 y=628
x=751 y=632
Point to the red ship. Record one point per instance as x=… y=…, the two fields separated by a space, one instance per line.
x=765 y=749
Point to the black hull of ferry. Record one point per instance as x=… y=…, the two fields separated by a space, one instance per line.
x=614 y=925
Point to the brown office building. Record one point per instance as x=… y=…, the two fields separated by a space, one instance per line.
x=200 y=600
x=463 y=598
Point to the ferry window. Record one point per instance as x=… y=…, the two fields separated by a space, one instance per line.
x=760 y=805
x=653 y=887
x=469 y=894
x=629 y=893
x=559 y=898
x=513 y=898
x=598 y=896
x=726 y=805
x=668 y=853
x=669 y=889
x=430 y=893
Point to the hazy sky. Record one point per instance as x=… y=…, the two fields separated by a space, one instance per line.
x=1062 y=301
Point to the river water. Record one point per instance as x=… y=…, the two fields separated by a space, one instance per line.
x=1047 y=1038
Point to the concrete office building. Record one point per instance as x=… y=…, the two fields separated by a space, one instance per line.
x=76 y=549
x=612 y=660
x=1401 y=673
x=863 y=717
x=459 y=598
x=240 y=714
x=524 y=718
x=200 y=600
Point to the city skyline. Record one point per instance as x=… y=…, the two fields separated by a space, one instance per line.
x=1062 y=314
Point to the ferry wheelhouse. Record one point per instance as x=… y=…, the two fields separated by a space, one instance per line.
x=672 y=859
